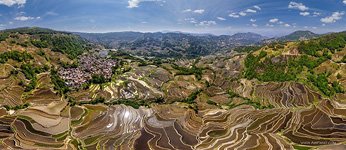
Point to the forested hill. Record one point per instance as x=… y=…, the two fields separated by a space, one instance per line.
x=172 y=44
x=64 y=42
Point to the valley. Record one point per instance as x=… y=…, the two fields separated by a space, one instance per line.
x=61 y=90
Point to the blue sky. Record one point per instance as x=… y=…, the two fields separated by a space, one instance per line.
x=267 y=17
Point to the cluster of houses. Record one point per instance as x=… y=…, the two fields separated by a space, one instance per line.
x=88 y=65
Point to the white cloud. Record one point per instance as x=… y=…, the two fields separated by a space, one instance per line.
x=304 y=13
x=257 y=7
x=287 y=25
x=10 y=3
x=269 y=25
x=191 y=20
x=199 y=11
x=281 y=22
x=242 y=13
x=221 y=18
x=250 y=11
x=187 y=10
x=24 y=18
x=234 y=15
x=315 y=14
x=274 y=20
x=135 y=3
x=253 y=20
x=254 y=25
x=344 y=1
x=333 y=18
x=206 y=23
x=299 y=6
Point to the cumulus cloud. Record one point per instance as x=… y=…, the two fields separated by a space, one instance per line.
x=25 y=18
x=257 y=7
x=304 y=13
x=254 y=25
x=206 y=23
x=10 y=3
x=199 y=11
x=274 y=20
x=287 y=25
x=187 y=10
x=242 y=13
x=191 y=20
x=250 y=11
x=333 y=18
x=344 y=1
x=234 y=15
x=253 y=20
x=315 y=14
x=221 y=18
x=299 y=6
x=135 y=3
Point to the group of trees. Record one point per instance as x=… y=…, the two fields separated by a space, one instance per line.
x=322 y=83
x=332 y=42
x=71 y=45
x=26 y=105
x=189 y=71
x=59 y=84
x=191 y=98
x=3 y=36
x=15 y=55
x=30 y=73
x=246 y=49
x=264 y=69
x=98 y=79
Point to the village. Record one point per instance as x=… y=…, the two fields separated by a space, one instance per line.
x=89 y=65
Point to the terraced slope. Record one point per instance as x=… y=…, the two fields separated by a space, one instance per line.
x=277 y=97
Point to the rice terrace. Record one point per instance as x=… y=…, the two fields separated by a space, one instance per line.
x=172 y=75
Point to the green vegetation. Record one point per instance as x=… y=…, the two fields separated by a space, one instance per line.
x=15 y=55
x=98 y=79
x=322 y=83
x=332 y=42
x=59 y=84
x=98 y=100
x=280 y=71
x=30 y=73
x=210 y=102
x=26 y=105
x=247 y=49
x=133 y=103
x=189 y=71
x=3 y=36
x=39 y=43
x=192 y=97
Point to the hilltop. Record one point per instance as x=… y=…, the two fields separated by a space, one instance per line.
x=299 y=35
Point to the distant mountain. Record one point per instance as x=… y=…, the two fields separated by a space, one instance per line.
x=247 y=38
x=299 y=35
x=172 y=44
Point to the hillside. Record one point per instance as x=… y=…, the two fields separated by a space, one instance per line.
x=171 y=44
x=299 y=35
x=57 y=92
